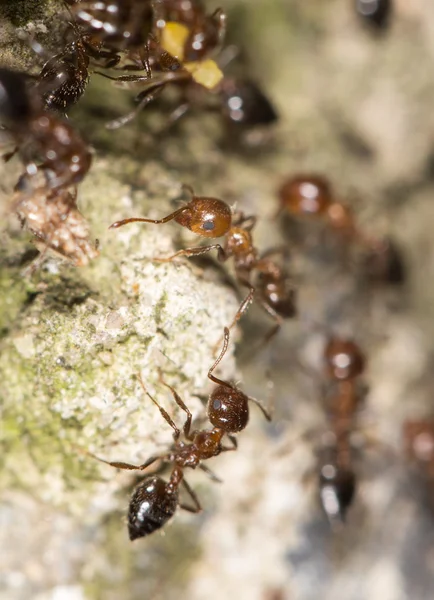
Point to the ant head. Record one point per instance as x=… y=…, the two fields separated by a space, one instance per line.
x=344 y=359
x=228 y=409
x=152 y=504
x=336 y=487
x=244 y=103
x=306 y=195
x=208 y=217
x=15 y=105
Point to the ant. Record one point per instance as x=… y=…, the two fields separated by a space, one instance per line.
x=311 y=195
x=419 y=441
x=375 y=13
x=205 y=216
x=175 y=53
x=212 y=218
x=118 y=24
x=65 y=76
x=345 y=363
x=244 y=104
x=155 y=501
x=40 y=135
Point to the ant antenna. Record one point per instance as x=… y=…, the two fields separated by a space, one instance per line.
x=155 y=221
x=219 y=358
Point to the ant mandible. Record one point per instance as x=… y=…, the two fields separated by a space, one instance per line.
x=345 y=363
x=155 y=500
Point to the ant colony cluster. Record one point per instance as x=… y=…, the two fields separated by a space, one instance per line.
x=152 y=45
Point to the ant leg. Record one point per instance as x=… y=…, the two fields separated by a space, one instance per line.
x=164 y=414
x=218 y=359
x=243 y=306
x=128 y=466
x=143 y=99
x=234 y=446
x=197 y=506
x=187 y=425
x=264 y=411
x=210 y=473
x=192 y=252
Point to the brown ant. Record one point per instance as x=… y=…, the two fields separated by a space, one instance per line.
x=155 y=501
x=337 y=482
x=41 y=136
x=212 y=218
x=205 y=216
x=311 y=195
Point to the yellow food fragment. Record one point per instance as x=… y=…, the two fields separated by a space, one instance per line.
x=205 y=72
x=173 y=39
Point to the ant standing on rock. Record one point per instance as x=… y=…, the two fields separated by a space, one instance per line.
x=155 y=501
x=212 y=218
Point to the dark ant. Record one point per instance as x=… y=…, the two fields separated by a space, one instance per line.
x=41 y=136
x=64 y=77
x=337 y=482
x=118 y=24
x=311 y=195
x=177 y=53
x=155 y=501
x=375 y=13
x=244 y=104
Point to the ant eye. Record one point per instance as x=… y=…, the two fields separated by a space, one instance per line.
x=209 y=225
x=217 y=404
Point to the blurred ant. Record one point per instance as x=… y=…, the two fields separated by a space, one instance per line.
x=310 y=195
x=177 y=52
x=41 y=136
x=337 y=482
x=419 y=443
x=375 y=13
x=155 y=501
x=118 y=24
x=212 y=218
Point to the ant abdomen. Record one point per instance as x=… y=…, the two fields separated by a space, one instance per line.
x=279 y=294
x=344 y=359
x=228 y=409
x=337 y=487
x=152 y=504
x=208 y=217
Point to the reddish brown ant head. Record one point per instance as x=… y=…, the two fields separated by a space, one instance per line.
x=344 y=359
x=152 y=504
x=337 y=489
x=228 y=409
x=306 y=195
x=208 y=217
